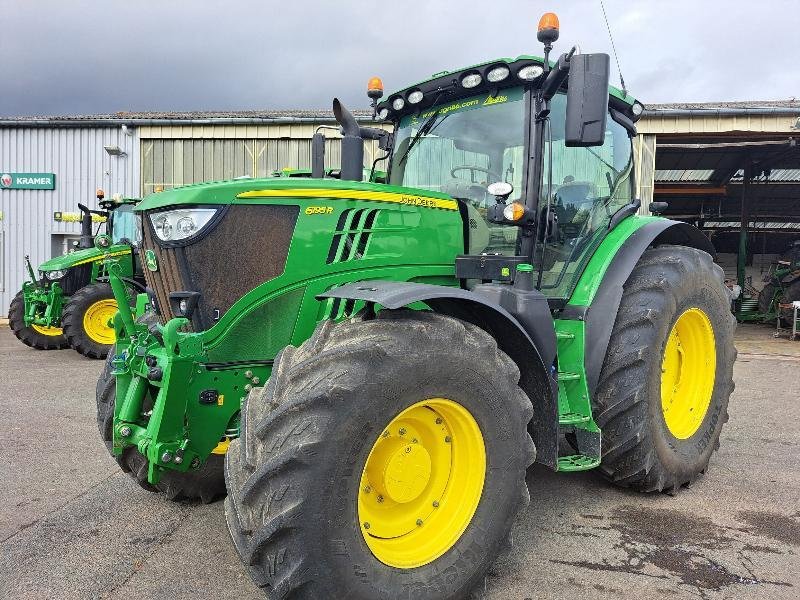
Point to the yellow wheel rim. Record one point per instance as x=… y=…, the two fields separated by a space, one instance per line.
x=421 y=483
x=48 y=331
x=97 y=321
x=688 y=372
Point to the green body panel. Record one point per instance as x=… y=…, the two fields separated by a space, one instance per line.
x=45 y=300
x=84 y=256
x=595 y=271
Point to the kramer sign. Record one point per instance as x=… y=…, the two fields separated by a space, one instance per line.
x=27 y=181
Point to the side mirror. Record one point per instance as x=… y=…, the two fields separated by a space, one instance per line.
x=587 y=100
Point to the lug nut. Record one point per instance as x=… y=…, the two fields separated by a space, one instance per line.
x=408 y=449
x=447 y=439
x=380 y=498
x=195 y=462
x=438 y=421
x=248 y=387
x=367 y=489
x=124 y=431
x=435 y=504
x=402 y=431
x=366 y=525
x=415 y=441
x=385 y=434
x=178 y=459
x=256 y=381
x=166 y=457
x=419 y=522
x=248 y=374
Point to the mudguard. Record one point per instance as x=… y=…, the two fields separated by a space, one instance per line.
x=532 y=345
x=609 y=294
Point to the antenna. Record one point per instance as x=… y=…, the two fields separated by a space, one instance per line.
x=614 y=48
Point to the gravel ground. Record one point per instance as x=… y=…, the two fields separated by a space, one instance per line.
x=73 y=526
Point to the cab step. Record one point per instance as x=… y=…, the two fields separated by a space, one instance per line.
x=568 y=376
x=578 y=462
x=572 y=418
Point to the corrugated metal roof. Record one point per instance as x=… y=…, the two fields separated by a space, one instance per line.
x=674 y=175
x=123 y=116
x=775 y=176
x=746 y=104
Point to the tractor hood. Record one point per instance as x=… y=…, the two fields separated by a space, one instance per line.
x=238 y=191
x=81 y=257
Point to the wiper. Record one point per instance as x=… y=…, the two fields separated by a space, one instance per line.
x=426 y=128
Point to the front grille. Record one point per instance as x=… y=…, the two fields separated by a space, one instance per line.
x=245 y=248
x=76 y=278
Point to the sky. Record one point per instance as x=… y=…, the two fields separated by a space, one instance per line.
x=76 y=57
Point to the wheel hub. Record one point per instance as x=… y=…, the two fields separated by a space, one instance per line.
x=688 y=372
x=421 y=483
x=97 y=321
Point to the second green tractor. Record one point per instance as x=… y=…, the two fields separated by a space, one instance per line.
x=368 y=369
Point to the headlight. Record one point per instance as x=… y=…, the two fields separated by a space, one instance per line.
x=530 y=72
x=472 y=80
x=398 y=103
x=415 y=97
x=174 y=225
x=53 y=275
x=637 y=109
x=383 y=114
x=497 y=74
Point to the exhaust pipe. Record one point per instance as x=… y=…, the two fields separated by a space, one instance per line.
x=352 y=144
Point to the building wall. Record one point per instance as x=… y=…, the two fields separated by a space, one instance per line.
x=80 y=164
x=175 y=155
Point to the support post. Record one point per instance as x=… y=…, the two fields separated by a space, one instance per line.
x=741 y=263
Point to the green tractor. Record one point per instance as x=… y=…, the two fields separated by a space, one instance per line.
x=782 y=287
x=377 y=365
x=70 y=303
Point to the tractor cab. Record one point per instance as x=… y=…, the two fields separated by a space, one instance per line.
x=538 y=154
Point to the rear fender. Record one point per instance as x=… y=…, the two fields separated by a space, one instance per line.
x=535 y=360
x=601 y=314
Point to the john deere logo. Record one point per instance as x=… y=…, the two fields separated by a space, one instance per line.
x=150 y=260
x=5 y=180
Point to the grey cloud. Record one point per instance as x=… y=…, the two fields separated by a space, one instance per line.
x=86 y=56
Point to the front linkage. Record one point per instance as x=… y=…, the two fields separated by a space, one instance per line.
x=174 y=427
x=43 y=303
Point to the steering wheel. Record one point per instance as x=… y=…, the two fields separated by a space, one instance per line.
x=472 y=170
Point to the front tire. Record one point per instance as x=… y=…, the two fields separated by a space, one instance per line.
x=35 y=336
x=329 y=435
x=664 y=387
x=87 y=320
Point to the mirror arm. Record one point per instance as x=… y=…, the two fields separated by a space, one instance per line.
x=557 y=75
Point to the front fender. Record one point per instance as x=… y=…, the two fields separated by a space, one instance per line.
x=532 y=351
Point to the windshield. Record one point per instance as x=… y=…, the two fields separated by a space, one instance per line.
x=126 y=225
x=460 y=148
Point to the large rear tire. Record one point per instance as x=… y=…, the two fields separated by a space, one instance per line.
x=664 y=387
x=35 y=336
x=327 y=495
x=205 y=484
x=87 y=320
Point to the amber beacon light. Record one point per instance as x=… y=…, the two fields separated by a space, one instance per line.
x=547 y=32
